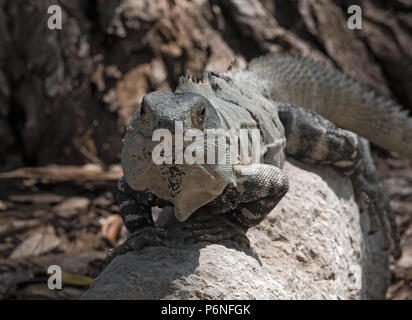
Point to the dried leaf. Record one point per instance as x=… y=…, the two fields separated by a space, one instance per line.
x=76 y=279
x=38 y=290
x=3 y=205
x=74 y=263
x=72 y=206
x=44 y=198
x=17 y=226
x=104 y=201
x=65 y=173
x=111 y=227
x=36 y=245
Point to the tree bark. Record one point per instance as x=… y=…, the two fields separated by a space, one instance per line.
x=66 y=95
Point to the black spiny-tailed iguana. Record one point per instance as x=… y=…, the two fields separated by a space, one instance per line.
x=301 y=108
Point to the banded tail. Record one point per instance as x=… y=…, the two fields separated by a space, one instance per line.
x=338 y=98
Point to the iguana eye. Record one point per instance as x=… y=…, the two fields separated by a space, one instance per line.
x=202 y=111
x=198 y=115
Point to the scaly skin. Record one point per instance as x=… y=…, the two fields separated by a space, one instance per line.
x=223 y=201
x=338 y=98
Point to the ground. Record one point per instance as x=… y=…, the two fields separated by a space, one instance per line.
x=67 y=216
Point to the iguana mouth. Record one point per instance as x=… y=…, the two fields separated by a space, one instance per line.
x=188 y=187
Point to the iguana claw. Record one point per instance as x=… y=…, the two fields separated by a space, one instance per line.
x=149 y=236
x=373 y=199
x=215 y=230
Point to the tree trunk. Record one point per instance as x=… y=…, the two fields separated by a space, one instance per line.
x=66 y=95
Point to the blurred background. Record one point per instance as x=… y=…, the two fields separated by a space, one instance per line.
x=67 y=94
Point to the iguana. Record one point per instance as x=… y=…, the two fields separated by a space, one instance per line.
x=301 y=108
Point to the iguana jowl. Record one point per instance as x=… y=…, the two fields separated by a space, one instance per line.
x=296 y=104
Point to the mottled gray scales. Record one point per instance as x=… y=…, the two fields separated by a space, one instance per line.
x=348 y=104
x=301 y=109
x=314 y=139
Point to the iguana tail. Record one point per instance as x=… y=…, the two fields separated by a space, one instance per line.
x=338 y=98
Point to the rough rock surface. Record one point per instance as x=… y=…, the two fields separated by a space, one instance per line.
x=313 y=245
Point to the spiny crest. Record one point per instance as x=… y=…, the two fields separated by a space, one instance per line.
x=299 y=79
x=187 y=78
x=208 y=76
x=384 y=104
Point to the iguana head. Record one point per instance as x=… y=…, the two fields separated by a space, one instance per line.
x=187 y=186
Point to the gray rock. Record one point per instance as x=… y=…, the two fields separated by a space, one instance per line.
x=313 y=245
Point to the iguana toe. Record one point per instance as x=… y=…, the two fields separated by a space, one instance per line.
x=216 y=230
x=149 y=236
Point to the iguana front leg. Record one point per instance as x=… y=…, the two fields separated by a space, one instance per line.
x=259 y=189
x=313 y=139
x=135 y=210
